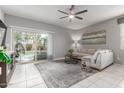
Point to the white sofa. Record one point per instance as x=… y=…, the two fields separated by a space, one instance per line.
x=100 y=59
x=83 y=52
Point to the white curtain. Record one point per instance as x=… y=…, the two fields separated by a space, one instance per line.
x=50 y=46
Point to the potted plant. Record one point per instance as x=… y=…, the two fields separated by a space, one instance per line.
x=4 y=57
x=70 y=51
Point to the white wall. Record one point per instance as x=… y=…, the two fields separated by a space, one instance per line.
x=1 y=15
x=113 y=37
x=62 y=39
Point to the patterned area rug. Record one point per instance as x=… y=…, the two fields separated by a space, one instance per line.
x=62 y=75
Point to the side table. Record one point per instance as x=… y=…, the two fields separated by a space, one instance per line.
x=85 y=63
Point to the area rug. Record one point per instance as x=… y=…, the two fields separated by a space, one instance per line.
x=62 y=75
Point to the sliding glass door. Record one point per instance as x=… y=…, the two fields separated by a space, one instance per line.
x=29 y=46
x=41 y=43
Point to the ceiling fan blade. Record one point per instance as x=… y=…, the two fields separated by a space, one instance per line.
x=63 y=17
x=80 y=12
x=63 y=12
x=72 y=7
x=79 y=17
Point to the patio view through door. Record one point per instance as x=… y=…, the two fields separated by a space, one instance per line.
x=30 y=46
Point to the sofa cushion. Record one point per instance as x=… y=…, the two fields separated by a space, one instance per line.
x=82 y=50
x=80 y=54
x=86 y=51
x=91 y=51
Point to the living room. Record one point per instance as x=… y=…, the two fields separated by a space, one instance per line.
x=84 y=51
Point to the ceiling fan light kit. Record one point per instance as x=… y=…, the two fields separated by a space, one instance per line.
x=72 y=15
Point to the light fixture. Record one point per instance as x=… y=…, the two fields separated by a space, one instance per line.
x=71 y=16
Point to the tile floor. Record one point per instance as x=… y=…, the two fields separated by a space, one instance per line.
x=111 y=77
x=27 y=76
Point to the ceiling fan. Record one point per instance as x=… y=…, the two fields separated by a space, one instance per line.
x=71 y=14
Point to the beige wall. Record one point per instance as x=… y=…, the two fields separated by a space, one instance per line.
x=113 y=37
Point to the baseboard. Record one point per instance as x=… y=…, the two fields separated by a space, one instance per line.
x=59 y=58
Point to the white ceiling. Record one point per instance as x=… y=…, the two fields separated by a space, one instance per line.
x=49 y=14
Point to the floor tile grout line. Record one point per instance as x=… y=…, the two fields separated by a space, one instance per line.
x=26 y=68
x=90 y=81
x=17 y=82
x=41 y=76
x=35 y=85
x=93 y=82
x=105 y=80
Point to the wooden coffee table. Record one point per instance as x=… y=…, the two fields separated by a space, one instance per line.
x=70 y=58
